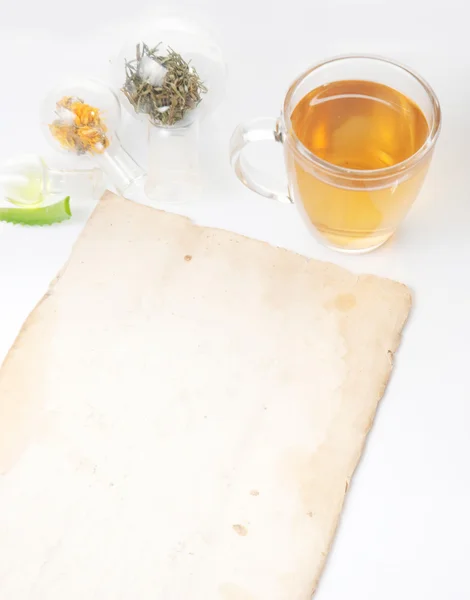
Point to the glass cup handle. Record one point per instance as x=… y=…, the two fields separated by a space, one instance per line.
x=258 y=130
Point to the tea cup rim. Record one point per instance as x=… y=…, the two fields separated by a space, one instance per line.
x=369 y=174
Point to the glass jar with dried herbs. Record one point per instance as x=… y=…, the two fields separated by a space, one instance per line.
x=171 y=84
x=165 y=88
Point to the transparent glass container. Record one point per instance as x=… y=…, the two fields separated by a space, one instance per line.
x=173 y=154
x=116 y=163
x=28 y=181
x=352 y=210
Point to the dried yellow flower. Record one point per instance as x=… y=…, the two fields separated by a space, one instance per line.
x=79 y=127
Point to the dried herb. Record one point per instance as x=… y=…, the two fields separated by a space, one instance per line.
x=79 y=127
x=163 y=86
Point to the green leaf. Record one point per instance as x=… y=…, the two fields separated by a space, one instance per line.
x=42 y=215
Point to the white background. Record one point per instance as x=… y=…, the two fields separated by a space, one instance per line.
x=405 y=532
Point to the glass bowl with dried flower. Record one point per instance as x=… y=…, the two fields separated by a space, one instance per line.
x=82 y=117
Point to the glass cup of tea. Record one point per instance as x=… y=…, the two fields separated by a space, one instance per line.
x=358 y=134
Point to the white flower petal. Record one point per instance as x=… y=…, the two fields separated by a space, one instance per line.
x=152 y=71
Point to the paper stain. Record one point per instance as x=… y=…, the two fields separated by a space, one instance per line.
x=319 y=493
x=232 y=591
x=188 y=258
x=254 y=493
x=342 y=302
x=345 y=302
x=240 y=529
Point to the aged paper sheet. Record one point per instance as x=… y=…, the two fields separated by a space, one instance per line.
x=182 y=413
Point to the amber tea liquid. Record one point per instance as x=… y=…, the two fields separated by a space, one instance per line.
x=358 y=125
